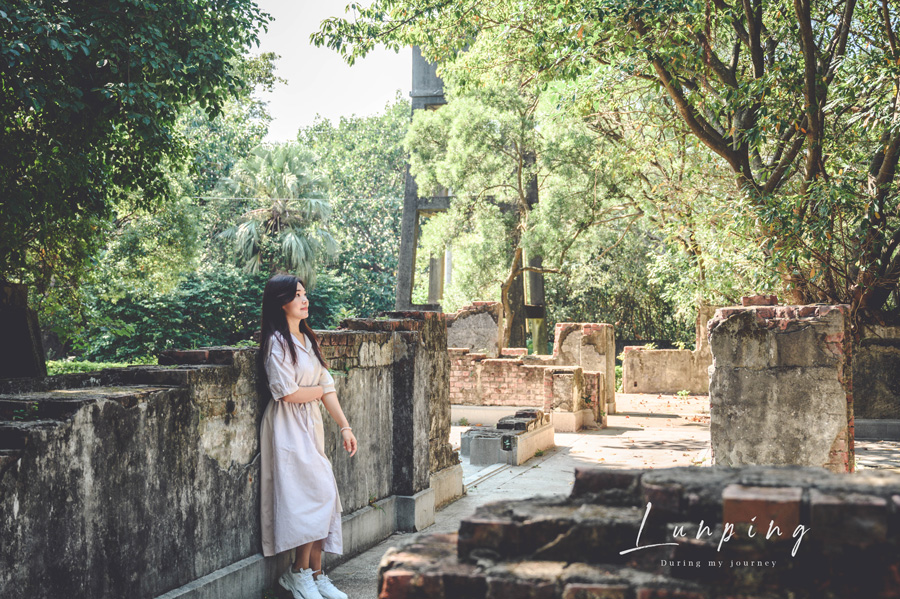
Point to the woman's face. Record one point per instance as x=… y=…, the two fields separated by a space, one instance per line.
x=298 y=308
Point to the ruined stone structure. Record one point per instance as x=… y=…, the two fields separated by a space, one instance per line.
x=816 y=535
x=427 y=94
x=475 y=327
x=513 y=441
x=781 y=390
x=576 y=384
x=143 y=482
x=670 y=370
x=876 y=365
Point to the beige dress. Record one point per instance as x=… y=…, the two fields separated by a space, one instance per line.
x=299 y=499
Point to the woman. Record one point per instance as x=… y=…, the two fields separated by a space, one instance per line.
x=300 y=507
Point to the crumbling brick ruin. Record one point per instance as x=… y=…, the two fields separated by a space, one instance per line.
x=475 y=327
x=799 y=533
x=670 y=370
x=143 y=481
x=576 y=384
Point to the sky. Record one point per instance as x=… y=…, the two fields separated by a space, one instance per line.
x=318 y=80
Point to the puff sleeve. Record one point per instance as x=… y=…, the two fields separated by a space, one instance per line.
x=326 y=381
x=279 y=369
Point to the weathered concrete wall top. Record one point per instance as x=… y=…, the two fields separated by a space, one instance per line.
x=132 y=482
x=127 y=483
x=780 y=386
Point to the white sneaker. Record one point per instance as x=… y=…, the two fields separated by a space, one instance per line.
x=300 y=584
x=328 y=590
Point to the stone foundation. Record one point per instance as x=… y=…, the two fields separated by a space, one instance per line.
x=514 y=440
x=143 y=481
x=670 y=370
x=781 y=390
x=631 y=534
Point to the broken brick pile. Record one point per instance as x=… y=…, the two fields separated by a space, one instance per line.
x=685 y=533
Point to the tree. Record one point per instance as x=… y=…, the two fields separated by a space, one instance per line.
x=91 y=92
x=499 y=147
x=152 y=249
x=797 y=99
x=364 y=162
x=285 y=226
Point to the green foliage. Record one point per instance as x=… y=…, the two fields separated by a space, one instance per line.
x=79 y=366
x=614 y=287
x=361 y=157
x=217 y=305
x=149 y=250
x=90 y=97
x=284 y=226
x=796 y=103
x=363 y=160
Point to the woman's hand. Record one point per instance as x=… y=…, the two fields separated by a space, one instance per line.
x=349 y=440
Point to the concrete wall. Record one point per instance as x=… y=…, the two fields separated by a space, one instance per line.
x=876 y=364
x=781 y=387
x=670 y=370
x=142 y=481
x=475 y=327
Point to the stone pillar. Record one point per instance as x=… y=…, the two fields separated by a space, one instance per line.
x=781 y=386
x=435 y=279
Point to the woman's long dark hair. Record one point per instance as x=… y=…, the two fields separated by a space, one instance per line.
x=280 y=290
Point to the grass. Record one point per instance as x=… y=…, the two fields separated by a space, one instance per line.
x=683 y=393
x=78 y=366
x=463 y=421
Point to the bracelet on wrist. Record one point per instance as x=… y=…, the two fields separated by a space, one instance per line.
x=345 y=428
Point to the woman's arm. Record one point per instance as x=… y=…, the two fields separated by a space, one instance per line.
x=304 y=395
x=333 y=406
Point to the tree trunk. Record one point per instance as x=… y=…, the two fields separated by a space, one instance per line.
x=511 y=332
x=21 y=352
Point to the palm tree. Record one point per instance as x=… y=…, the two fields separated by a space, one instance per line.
x=287 y=225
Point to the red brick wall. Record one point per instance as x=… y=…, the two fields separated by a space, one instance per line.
x=476 y=379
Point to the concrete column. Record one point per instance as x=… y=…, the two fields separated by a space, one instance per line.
x=435 y=280
x=781 y=390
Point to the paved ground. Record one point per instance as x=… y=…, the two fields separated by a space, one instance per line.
x=648 y=432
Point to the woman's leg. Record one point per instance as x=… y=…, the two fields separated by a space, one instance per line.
x=302 y=556
x=315 y=557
